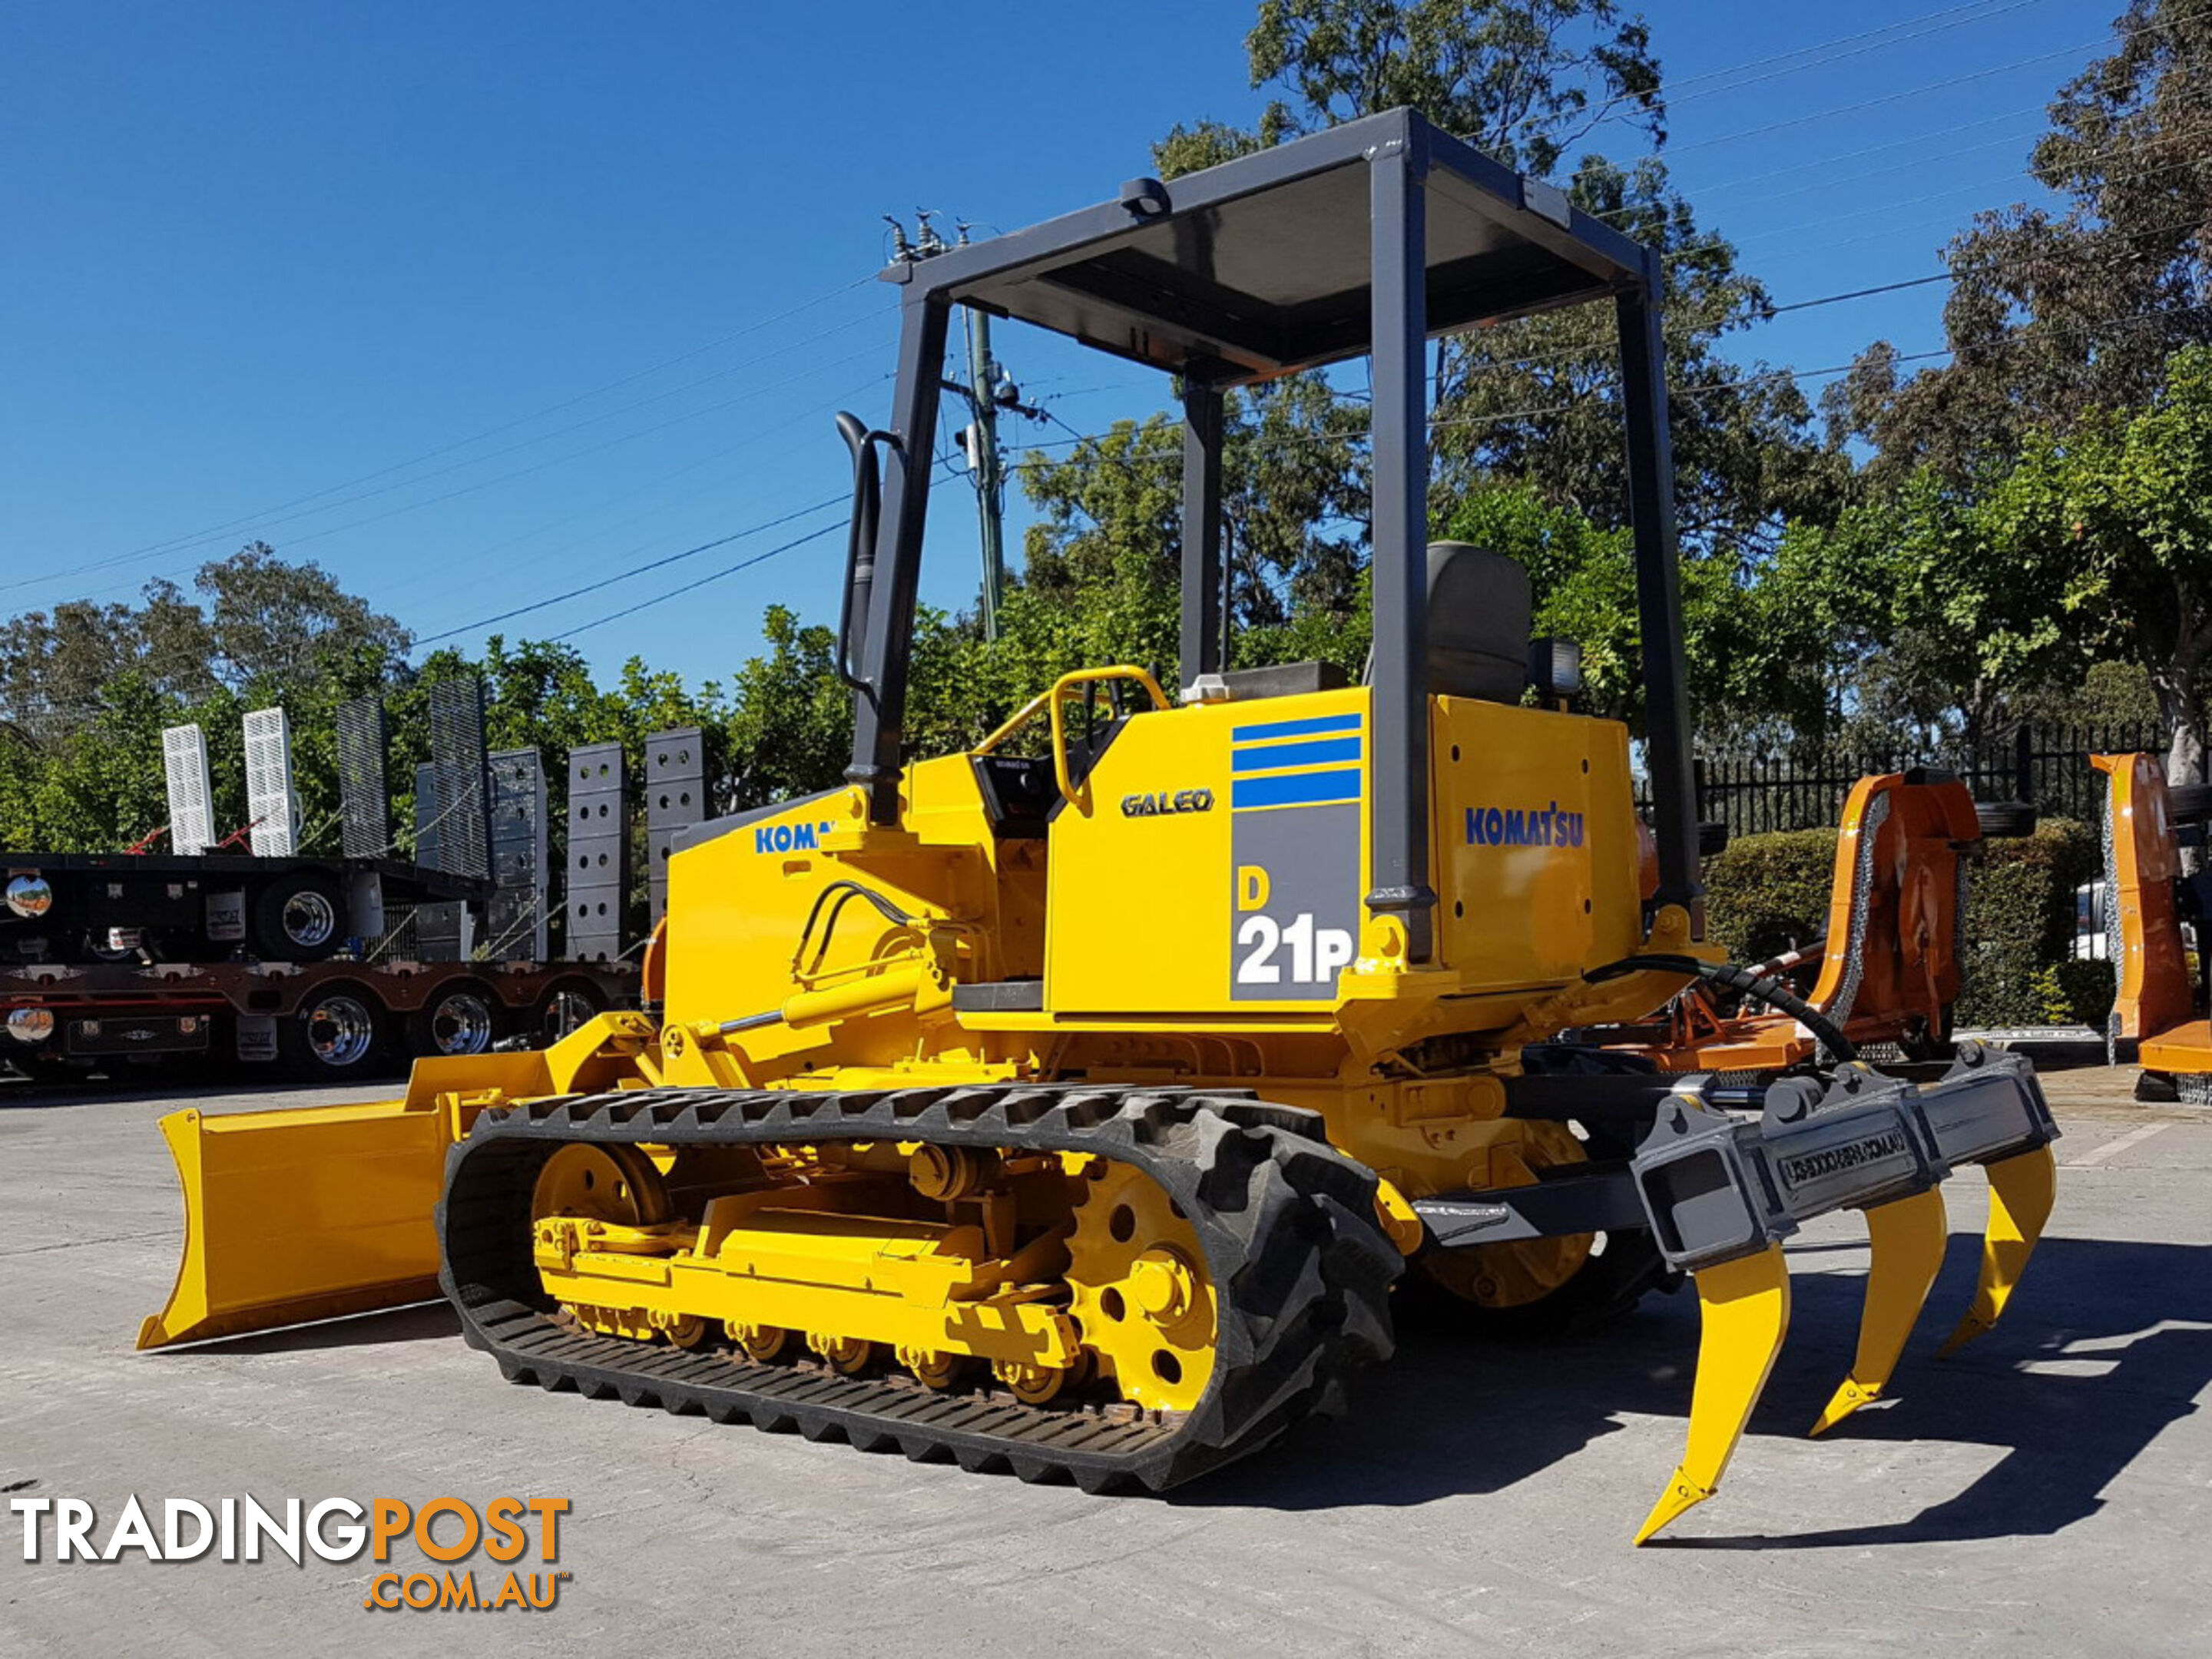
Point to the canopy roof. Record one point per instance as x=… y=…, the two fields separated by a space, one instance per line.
x=1262 y=265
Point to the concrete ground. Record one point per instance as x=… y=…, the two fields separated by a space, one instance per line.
x=2050 y=1492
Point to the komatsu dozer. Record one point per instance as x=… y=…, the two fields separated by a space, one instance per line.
x=1070 y=1106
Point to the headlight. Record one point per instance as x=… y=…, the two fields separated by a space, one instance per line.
x=30 y=1024
x=1555 y=667
x=29 y=896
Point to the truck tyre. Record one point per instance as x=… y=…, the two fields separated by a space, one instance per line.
x=463 y=1017
x=335 y=1036
x=570 y=1004
x=297 y=917
x=2004 y=820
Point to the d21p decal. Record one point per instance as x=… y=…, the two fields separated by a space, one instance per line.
x=1294 y=836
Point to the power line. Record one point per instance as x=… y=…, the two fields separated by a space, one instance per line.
x=1703 y=190
x=1934 y=24
x=489 y=432
x=519 y=472
x=2017 y=337
x=713 y=576
x=558 y=460
x=1826 y=45
x=625 y=575
x=692 y=586
x=594 y=420
x=1861 y=292
x=1893 y=97
x=1719 y=243
x=1855 y=154
x=480 y=559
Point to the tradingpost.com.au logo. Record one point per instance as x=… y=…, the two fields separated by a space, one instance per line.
x=449 y=1532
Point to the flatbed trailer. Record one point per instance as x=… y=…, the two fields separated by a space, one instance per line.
x=109 y=907
x=331 y=1021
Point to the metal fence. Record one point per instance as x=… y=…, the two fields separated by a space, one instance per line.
x=2045 y=765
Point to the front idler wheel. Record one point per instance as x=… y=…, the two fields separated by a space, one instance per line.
x=1140 y=1295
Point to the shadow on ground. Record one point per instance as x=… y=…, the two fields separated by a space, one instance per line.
x=2107 y=1345
x=1452 y=1415
x=417 y=1322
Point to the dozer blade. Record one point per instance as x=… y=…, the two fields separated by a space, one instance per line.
x=1744 y=1307
x=291 y=1216
x=322 y=1210
x=2021 y=1191
x=1907 y=1235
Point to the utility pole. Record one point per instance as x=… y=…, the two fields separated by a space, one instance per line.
x=990 y=485
x=988 y=392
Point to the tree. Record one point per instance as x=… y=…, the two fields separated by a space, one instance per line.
x=2054 y=314
x=789 y=726
x=1537 y=398
x=1529 y=405
x=1105 y=560
x=1525 y=79
x=1748 y=651
x=1929 y=634
x=282 y=625
x=1532 y=82
x=2095 y=545
x=277 y=627
x=2113 y=521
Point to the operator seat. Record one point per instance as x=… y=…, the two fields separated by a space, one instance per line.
x=1480 y=614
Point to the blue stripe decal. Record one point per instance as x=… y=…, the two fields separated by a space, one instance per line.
x=1296 y=788
x=1295 y=728
x=1318 y=751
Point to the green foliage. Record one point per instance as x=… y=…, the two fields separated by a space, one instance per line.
x=1525 y=79
x=2050 y=475
x=787 y=730
x=2094 y=543
x=86 y=690
x=2057 y=312
x=1537 y=398
x=2113 y=692
x=1103 y=578
x=1746 y=640
x=2016 y=964
x=1768 y=894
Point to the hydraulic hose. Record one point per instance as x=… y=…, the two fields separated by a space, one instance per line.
x=1761 y=987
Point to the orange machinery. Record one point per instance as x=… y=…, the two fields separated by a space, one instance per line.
x=1888 y=964
x=2157 y=1005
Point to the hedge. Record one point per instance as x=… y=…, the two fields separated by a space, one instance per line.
x=1766 y=893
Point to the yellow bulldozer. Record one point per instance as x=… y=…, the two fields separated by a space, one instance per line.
x=1070 y=1106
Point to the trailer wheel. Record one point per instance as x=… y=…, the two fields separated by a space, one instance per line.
x=335 y=1036
x=299 y=917
x=563 y=1009
x=463 y=1018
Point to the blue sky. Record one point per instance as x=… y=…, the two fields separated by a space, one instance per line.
x=476 y=304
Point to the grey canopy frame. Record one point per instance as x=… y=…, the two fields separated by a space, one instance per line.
x=1250 y=270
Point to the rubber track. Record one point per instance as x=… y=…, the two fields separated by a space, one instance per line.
x=1287 y=1224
